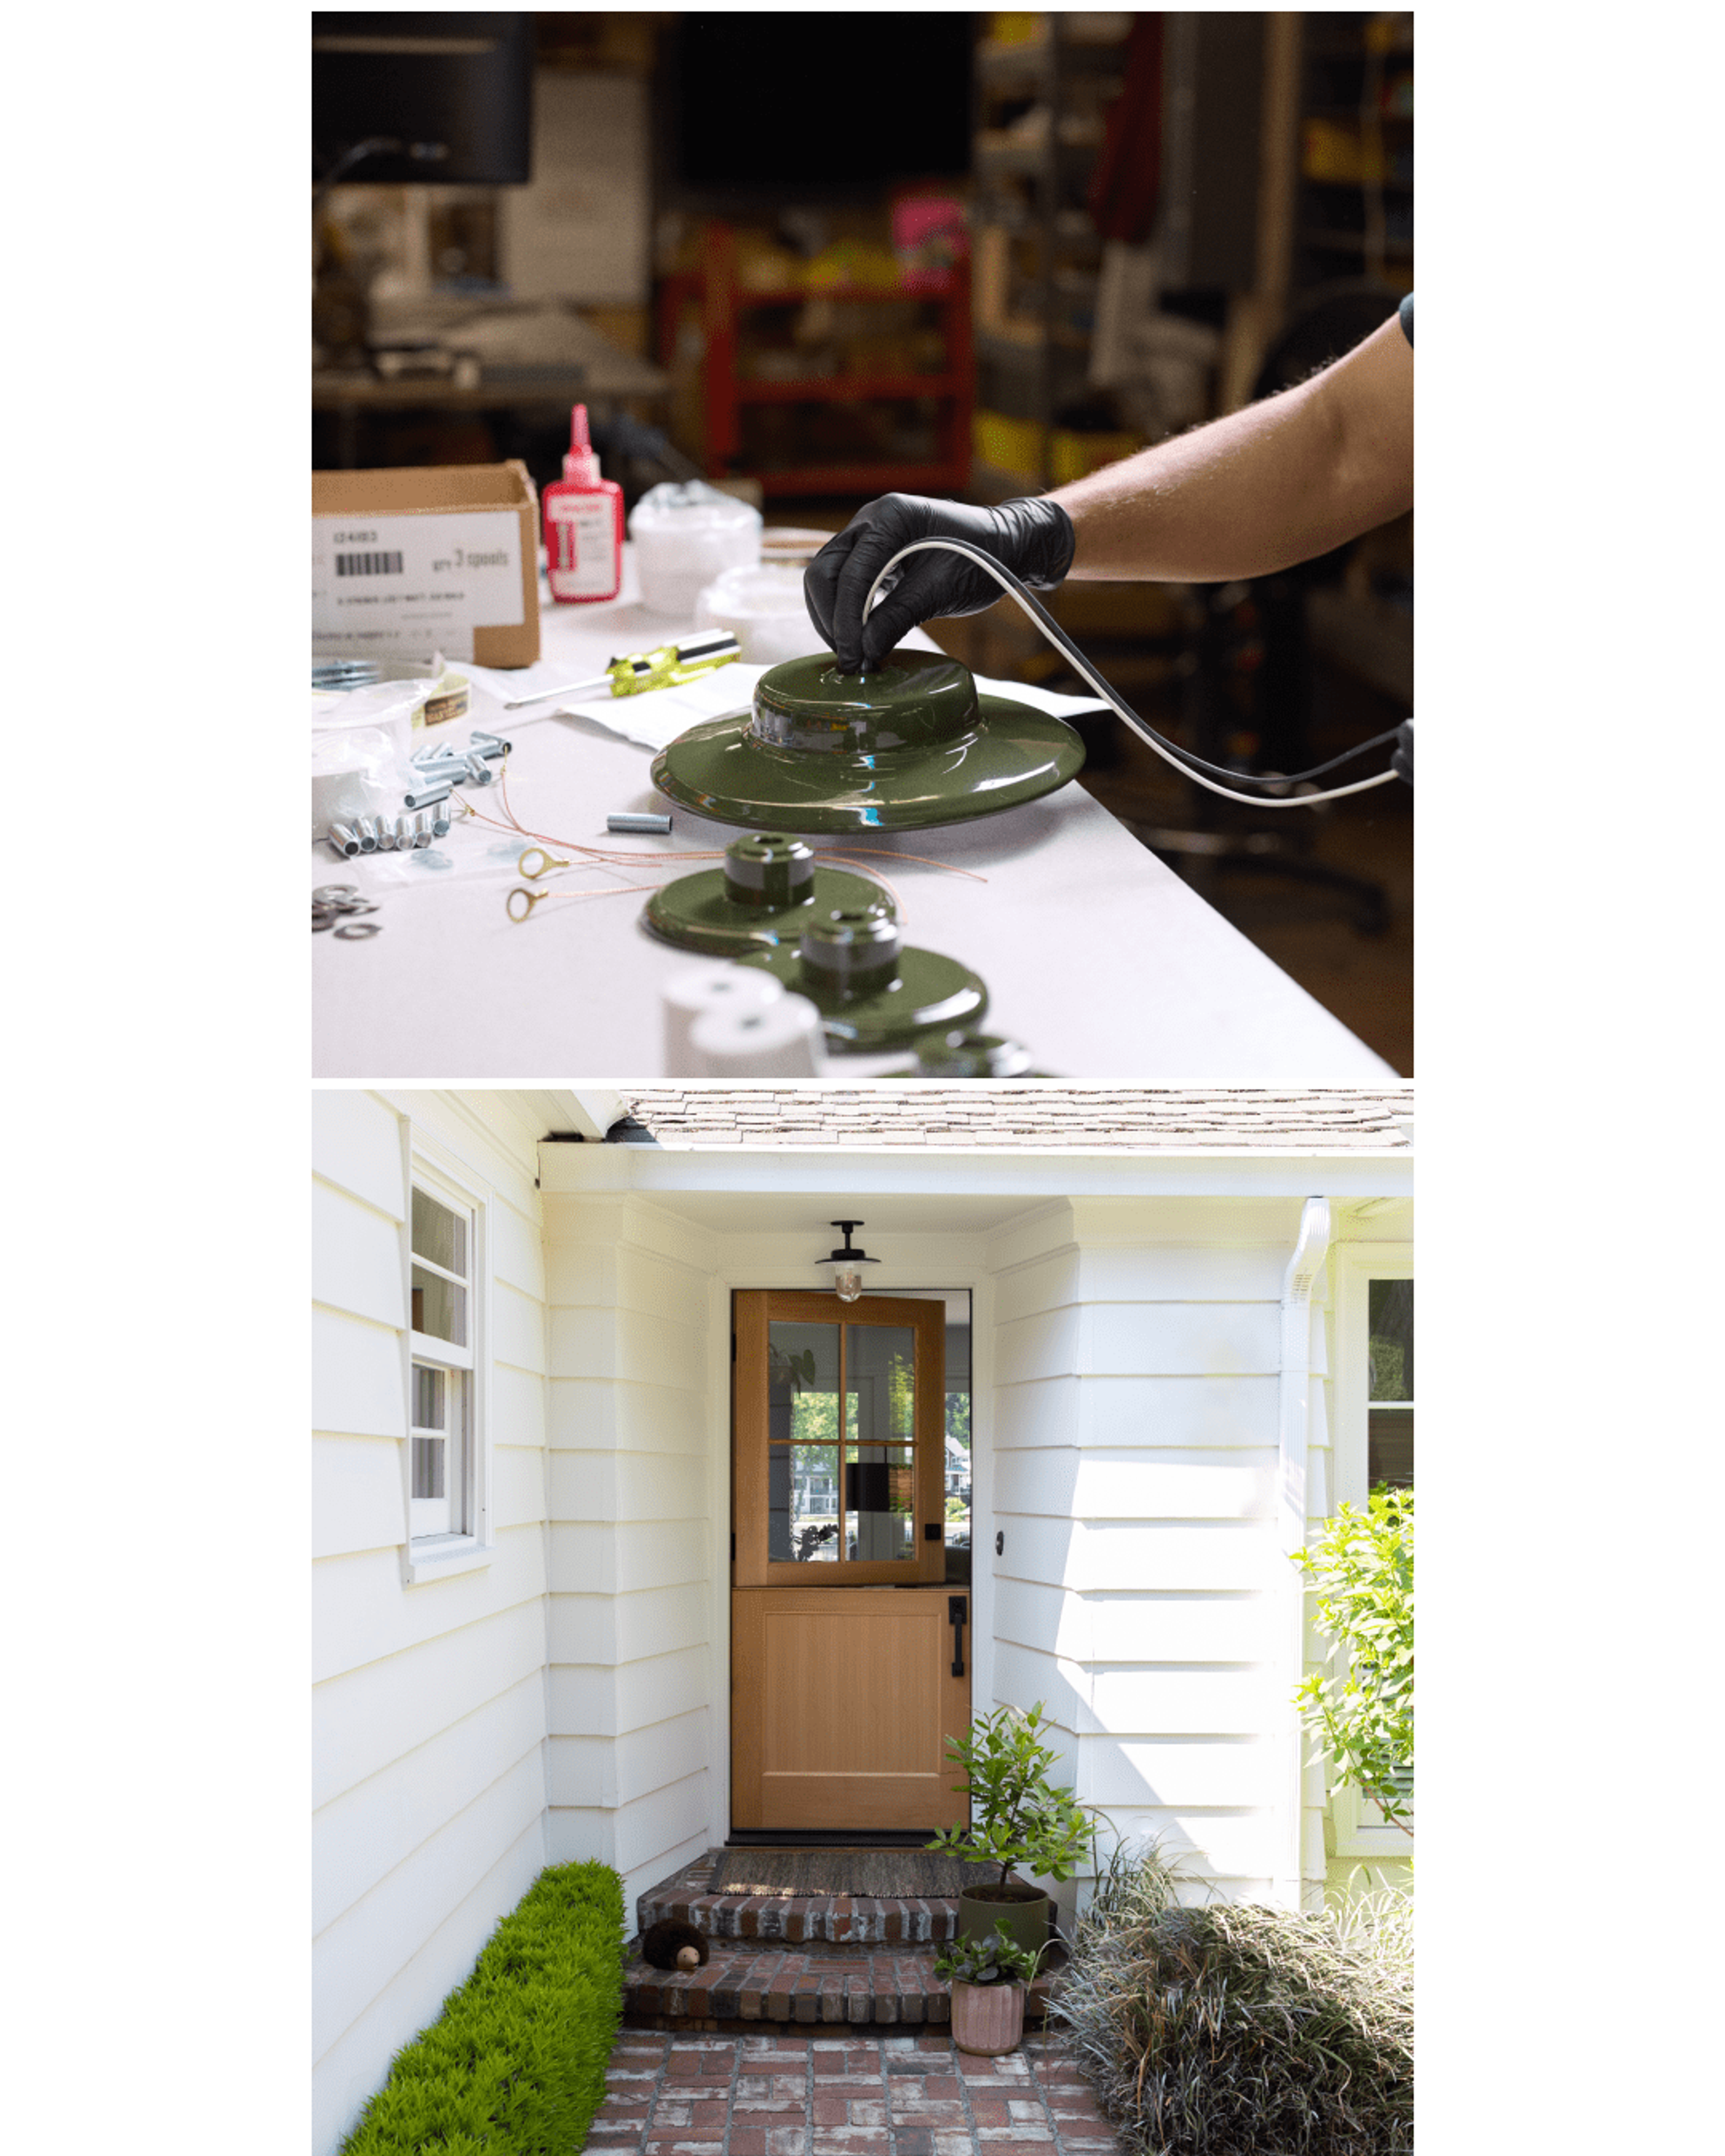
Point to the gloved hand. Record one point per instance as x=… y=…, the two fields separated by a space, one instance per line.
x=1034 y=538
x=1401 y=761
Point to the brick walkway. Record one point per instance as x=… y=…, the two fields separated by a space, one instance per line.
x=770 y=2095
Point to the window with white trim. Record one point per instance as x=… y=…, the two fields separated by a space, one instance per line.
x=1373 y=1438
x=447 y=1305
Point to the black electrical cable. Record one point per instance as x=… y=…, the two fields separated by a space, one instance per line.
x=1182 y=758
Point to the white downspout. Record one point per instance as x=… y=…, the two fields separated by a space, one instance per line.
x=1295 y=1407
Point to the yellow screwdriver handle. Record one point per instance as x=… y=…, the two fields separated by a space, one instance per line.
x=662 y=668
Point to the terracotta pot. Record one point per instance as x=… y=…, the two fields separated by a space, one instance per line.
x=1026 y=1916
x=987 y=2018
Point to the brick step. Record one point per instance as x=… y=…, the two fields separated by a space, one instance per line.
x=687 y=1897
x=758 y=1983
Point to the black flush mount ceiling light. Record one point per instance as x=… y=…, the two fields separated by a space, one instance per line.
x=847 y=1279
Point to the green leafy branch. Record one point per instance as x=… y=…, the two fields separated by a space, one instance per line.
x=1362 y=1704
x=1019 y=1815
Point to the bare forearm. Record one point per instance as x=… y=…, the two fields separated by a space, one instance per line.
x=1279 y=482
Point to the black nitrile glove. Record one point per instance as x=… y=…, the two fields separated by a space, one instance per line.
x=1034 y=538
x=1401 y=763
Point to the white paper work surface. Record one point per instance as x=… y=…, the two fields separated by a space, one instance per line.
x=1096 y=956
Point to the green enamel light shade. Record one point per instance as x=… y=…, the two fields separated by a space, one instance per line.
x=872 y=992
x=769 y=889
x=904 y=748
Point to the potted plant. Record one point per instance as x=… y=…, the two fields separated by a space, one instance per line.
x=989 y=1978
x=1018 y=1816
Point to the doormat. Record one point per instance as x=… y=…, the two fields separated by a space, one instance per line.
x=880 y=1875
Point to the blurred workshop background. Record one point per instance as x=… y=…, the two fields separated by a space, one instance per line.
x=814 y=257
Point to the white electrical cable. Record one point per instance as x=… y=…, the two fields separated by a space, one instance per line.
x=1056 y=636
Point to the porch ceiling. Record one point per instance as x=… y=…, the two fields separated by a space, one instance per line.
x=894 y=1211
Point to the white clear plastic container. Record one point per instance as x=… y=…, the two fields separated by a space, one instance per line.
x=764 y=610
x=361 y=746
x=685 y=534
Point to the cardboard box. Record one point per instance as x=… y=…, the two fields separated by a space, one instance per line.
x=436 y=557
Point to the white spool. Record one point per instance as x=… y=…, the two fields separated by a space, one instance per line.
x=688 y=995
x=781 y=1040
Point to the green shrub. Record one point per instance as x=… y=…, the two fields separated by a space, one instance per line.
x=1234 y=2029
x=514 y=2064
x=1362 y=1705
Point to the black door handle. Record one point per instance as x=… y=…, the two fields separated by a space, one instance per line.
x=955 y=1618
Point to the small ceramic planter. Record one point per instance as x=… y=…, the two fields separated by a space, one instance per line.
x=987 y=2018
x=1025 y=1917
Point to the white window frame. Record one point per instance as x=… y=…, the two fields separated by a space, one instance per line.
x=436 y=1171
x=1361 y=1829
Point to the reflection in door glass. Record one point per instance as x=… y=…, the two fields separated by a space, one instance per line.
x=957 y=1480
x=802 y=1384
x=803 y=1504
x=880 y=1378
x=880 y=1502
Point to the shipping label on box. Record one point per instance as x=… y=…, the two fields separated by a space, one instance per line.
x=414 y=583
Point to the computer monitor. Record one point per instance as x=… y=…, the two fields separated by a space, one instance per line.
x=805 y=106
x=455 y=91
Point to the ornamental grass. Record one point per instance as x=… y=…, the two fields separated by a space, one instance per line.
x=1235 y=2029
x=515 y=2064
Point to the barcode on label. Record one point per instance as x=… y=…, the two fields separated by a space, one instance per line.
x=368 y=565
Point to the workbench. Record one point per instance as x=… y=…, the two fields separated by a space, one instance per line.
x=1098 y=958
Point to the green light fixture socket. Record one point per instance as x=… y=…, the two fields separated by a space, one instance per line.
x=871 y=991
x=768 y=890
x=907 y=748
x=968 y=1054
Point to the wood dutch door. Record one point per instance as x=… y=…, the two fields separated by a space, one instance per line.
x=849 y=1655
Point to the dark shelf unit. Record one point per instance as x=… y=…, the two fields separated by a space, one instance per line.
x=1356 y=99
x=729 y=390
x=1038 y=253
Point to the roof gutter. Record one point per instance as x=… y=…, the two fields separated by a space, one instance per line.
x=1295 y=1413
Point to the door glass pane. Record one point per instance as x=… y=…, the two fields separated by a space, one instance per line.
x=880 y=1378
x=880 y=1503
x=428 y=1467
x=802 y=1384
x=428 y=1398
x=803 y=1504
x=1390 y=1325
x=439 y=1308
x=438 y=1234
x=956 y=1473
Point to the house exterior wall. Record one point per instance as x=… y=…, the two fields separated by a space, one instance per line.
x=429 y=1706
x=1125 y=1433
x=1142 y=1592
x=568 y=1697
x=636 y=1488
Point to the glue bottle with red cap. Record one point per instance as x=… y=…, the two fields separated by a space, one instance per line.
x=583 y=523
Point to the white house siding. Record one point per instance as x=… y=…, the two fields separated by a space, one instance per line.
x=636 y=1466
x=430 y=1700
x=1137 y=1353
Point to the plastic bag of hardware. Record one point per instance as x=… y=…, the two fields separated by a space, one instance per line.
x=360 y=753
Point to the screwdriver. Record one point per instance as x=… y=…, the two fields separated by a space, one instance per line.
x=667 y=666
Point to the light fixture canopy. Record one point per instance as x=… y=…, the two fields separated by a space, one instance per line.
x=847 y=1278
